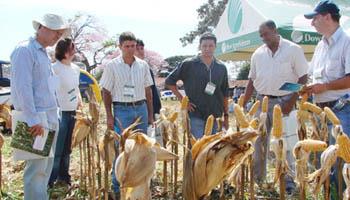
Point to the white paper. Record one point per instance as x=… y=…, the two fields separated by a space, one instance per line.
x=40 y=141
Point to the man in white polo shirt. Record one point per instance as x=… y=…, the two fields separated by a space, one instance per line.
x=126 y=83
x=272 y=64
x=330 y=69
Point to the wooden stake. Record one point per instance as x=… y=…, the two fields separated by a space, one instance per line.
x=282 y=186
x=251 y=183
x=106 y=174
x=242 y=181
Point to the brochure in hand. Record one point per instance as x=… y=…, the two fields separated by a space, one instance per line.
x=22 y=139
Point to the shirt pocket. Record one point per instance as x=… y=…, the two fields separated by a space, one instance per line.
x=334 y=69
x=285 y=69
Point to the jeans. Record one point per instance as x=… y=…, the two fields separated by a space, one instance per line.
x=36 y=176
x=126 y=115
x=60 y=170
x=198 y=126
x=344 y=117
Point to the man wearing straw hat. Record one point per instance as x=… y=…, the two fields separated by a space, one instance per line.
x=33 y=86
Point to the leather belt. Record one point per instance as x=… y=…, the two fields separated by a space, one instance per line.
x=329 y=104
x=270 y=96
x=135 y=103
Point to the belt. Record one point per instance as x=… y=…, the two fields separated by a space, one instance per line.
x=135 y=103
x=270 y=96
x=328 y=104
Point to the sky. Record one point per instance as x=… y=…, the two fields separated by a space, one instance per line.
x=160 y=23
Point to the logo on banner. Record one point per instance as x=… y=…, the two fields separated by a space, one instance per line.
x=235 y=15
x=297 y=36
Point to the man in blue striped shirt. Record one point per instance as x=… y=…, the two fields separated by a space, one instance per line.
x=33 y=92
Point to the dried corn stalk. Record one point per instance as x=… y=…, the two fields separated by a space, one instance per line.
x=5 y=114
x=317 y=178
x=346 y=176
x=81 y=130
x=344 y=147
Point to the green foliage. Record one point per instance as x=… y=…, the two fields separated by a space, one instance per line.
x=174 y=61
x=209 y=14
x=244 y=71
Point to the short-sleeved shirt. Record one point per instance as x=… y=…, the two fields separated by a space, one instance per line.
x=195 y=76
x=118 y=76
x=331 y=61
x=268 y=72
x=68 y=90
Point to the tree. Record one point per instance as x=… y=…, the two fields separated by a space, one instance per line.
x=174 y=61
x=91 y=40
x=209 y=15
x=244 y=71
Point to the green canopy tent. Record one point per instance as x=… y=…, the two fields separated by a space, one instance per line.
x=237 y=30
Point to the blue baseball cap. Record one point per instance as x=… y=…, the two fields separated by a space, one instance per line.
x=324 y=7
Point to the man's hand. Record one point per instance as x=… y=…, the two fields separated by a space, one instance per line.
x=110 y=122
x=316 y=88
x=151 y=120
x=36 y=130
x=191 y=107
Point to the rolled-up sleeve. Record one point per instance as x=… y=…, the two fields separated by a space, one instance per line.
x=107 y=81
x=175 y=75
x=301 y=65
x=22 y=84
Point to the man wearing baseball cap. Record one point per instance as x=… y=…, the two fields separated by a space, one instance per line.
x=330 y=66
x=33 y=96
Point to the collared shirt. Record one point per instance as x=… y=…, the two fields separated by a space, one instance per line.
x=195 y=76
x=68 y=90
x=331 y=61
x=31 y=88
x=268 y=72
x=118 y=77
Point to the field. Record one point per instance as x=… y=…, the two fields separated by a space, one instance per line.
x=12 y=174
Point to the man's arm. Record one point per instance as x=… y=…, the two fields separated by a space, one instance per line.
x=149 y=100
x=21 y=81
x=339 y=84
x=226 y=123
x=248 y=92
x=288 y=106
x=107 y=100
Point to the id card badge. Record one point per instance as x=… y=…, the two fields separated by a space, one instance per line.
x=129 y=91
x=210 y=88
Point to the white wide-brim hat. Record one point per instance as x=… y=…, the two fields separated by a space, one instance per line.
x=53 y=22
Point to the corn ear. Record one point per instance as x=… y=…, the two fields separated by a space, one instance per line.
x=344 y=147
x=241 y=100
x=313 y=145
x=265 y=104
x=241 y=119
x=277 y=128
x=254 y=123
x=209 y=125
x=311 y=107
x=184 y=103
x=254 y=108
x=331 y=116
x=173 y=117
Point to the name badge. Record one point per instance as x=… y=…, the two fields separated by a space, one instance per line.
x=129 y=91
x=210 y=88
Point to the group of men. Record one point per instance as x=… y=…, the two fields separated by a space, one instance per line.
x=127 y=81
